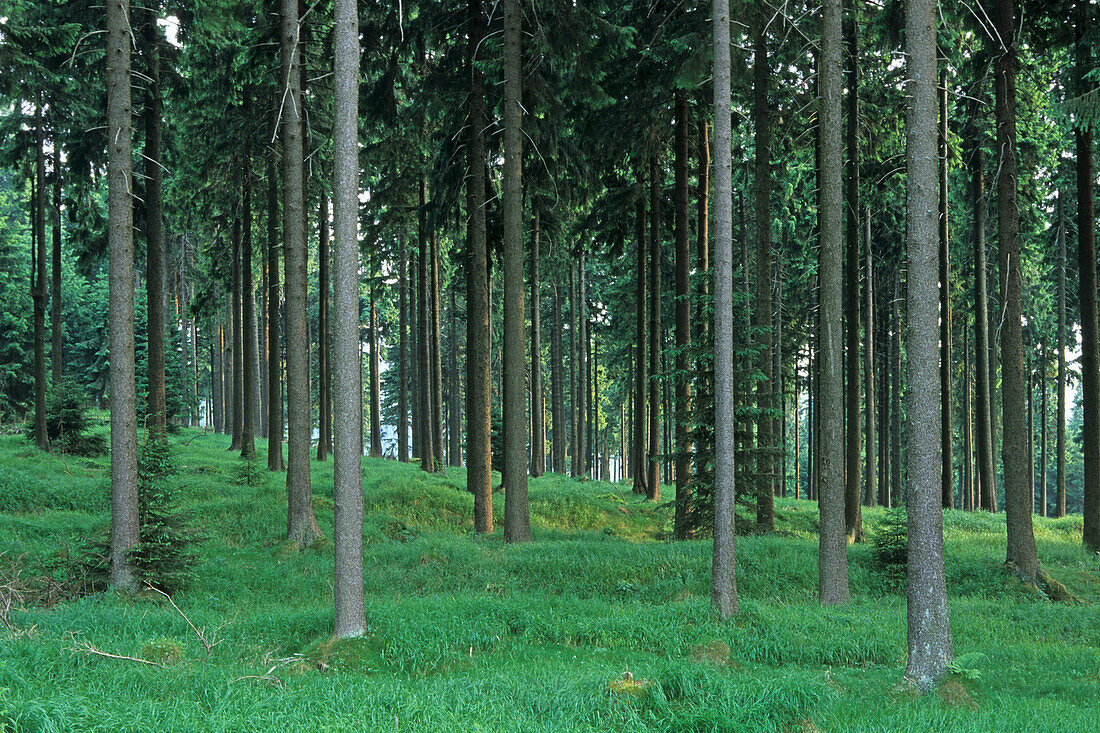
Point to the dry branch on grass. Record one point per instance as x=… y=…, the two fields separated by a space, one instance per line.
x=208 y=641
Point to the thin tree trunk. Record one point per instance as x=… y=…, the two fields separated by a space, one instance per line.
x=375 y=383
x=120 y=248
x=947 y=431
x=217 y=394
x=437 y=356
x=38 y=284
x=986 y=477
x=324 y=375
x=403 y=351
x=574 y=378
x=870 y=492
x=653 y=482
x=538 y=428
x=833 y=558
x=154 y=231
x=454 y=406
x=302 y=529
x=723 y=588
x=968 y=432
x=853 y=511
x=895 y=495
x=274 y=362
x=478 y=453
x=641 y=376
x=517 y=525
x=248 y=323
x=424 y=388
x=1090 y=350
x=557 y=391
x=1060 y=385
x=682 y=448
x=929 y=631
x=237 y=346
x=56 y=351
x=1044 y=423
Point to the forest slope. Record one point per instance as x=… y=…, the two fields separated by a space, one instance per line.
x=465 y=633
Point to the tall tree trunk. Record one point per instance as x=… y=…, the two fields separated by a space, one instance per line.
x=947 y=430
x=538 y=429
x=653 y=482
x=248 y=322
x=403 y=351
x=517 y=525
x=38 y=284
x=217 y=394
x=641 y=377
x=120 y=274
x=347 y=536
x=853 y=512
x=375 y=384
x=723 y=586
x=437 y=356
x=1090 y=350
x=1022 y=557
x=584 y=376
x=1044 y=418
x=929 y=630
x=1060 y=343
x=274 y=362
x=454 y=410
x=56 y=352
x=154 y=231
x=261 y=346
x=324 y=373
x=870 y=490
x=478 y=453
x=895 y=496
x=833 y=557
x=987 y=487
x=682 y=447
x=574 y=377
x=765 y=387
x=557 y=391
x=302 y=529
x=237 y=346
x=968 y=433
x=424 y=387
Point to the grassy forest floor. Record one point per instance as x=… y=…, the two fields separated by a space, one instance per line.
x=466 y=634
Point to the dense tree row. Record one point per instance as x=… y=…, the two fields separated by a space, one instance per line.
x=603 y=239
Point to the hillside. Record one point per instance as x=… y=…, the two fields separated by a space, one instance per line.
x=468 y=634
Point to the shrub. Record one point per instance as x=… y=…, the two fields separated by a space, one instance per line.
x=890 y=546
x=68 y=423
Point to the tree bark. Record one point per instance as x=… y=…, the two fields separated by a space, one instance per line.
x=641 y=377
x=682 y=446
x=987 y=488
x=274 y=362
x=1022 y=557
x=217 y=394
x=870 y=490
x=929 y=630
x=538 y=428
x=424 y=372
x=1090 y=349
x=557 y=391
x=478 y=453
x=947 y=430
x=723 y=587
x=375 y=384
x=653 y=482
x=402 y=350
x=302 y=529
x=154 y=231
x=248 y=323
x=1060 y=343
x=436 y=356
x=1044 y=421
x=38 y=284
x=120 y=274
x=347 y=490
x=237 y=345
x=833 y=558
x=853 y=507
x=517 y=525
x=324 y=369
x=454 y=410
x=56 y=350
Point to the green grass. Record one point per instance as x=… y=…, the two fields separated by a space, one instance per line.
x=468 y=634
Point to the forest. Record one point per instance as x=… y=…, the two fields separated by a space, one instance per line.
x=549 y=365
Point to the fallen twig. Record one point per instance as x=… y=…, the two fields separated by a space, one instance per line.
x=207 y=644
x=89 y=649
